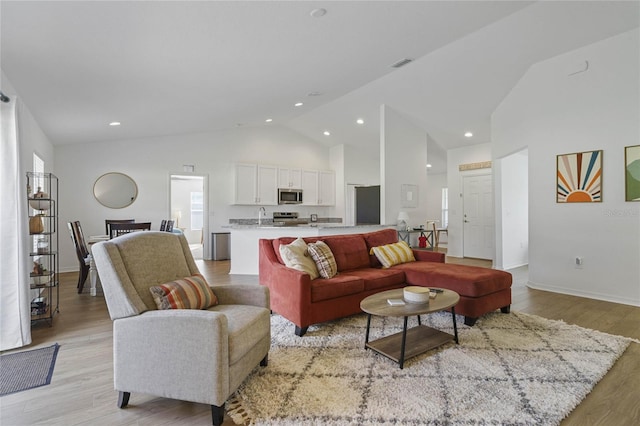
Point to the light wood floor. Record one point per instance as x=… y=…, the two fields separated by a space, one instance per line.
x=81 y=391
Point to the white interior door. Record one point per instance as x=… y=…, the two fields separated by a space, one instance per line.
x=478 y=226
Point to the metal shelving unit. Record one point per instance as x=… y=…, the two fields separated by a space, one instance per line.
x=42 y=199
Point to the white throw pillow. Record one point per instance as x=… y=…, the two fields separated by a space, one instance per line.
x=296 y=256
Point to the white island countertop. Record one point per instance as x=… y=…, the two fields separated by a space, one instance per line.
x=244 y=240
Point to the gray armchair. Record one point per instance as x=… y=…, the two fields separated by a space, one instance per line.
x=192 y=355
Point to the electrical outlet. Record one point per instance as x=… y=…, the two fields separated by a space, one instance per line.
x=579 y=262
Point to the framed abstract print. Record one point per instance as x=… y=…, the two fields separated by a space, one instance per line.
x=632 y=173
x=579 y=177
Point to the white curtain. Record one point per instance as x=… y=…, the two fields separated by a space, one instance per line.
x=15 y=305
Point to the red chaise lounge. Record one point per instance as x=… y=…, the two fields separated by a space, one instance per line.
x=304 y=301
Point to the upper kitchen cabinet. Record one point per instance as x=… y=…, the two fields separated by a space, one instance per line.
x=289 y=178
x=318 y=188
x=256 y=184
x=327 y=188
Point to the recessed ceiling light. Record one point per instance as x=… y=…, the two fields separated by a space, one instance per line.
x=318 y=13
x=326 y=133
x=268 y=120
x=468 y=134
x=360 y=121
x=428 y=166
x=114 y=123
x=298 y=104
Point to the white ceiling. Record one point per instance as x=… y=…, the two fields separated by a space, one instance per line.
x=164 y=68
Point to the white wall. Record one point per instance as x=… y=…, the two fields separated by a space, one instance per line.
x=150 y=162
x=512 y=210
x=456 y=157
x=552 y=113
x=30 y=136
x=403 y=150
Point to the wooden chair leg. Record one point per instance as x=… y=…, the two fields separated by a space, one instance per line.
x=217 y=415
x=84 y=273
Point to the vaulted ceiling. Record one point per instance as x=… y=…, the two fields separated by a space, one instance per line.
x=163 y=68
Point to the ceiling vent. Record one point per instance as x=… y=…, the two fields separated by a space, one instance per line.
x=401 y=63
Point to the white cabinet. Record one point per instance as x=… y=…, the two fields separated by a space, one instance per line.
x=289 y=178
x=267 y=185
x=318 y=188
x=310 y=187
x=327 y=188
x=246 y=178
x=256 y=184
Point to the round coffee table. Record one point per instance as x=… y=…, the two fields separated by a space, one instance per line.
x=409 y=343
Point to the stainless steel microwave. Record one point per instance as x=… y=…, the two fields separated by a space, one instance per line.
x=289 y=196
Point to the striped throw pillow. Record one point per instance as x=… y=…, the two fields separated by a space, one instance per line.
x=325 y=261
x=393 y=254
x=188 y=293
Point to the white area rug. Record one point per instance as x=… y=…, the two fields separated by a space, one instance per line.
x=508 y=369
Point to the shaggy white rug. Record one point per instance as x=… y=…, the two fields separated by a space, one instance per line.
x=509 y=369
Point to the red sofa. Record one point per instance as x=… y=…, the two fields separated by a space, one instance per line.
x=304 y=301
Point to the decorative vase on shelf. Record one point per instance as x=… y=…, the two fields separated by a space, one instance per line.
x=40 y=200
x=36 y=225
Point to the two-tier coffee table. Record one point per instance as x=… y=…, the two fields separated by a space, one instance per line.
x=409 y=343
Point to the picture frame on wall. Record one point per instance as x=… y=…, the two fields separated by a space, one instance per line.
x=579 y=177
x=632 y=173
x=409 y=195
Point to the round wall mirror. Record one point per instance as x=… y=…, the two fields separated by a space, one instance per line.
x=115 y=190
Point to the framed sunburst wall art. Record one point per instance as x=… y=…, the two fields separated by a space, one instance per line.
x=632 y=173
x=579 y=177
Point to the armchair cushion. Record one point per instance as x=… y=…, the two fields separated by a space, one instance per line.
x=188 y=293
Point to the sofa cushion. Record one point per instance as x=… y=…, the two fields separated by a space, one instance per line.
x=188 y=293
x=338 y=286
x=376 y=239
x=393 y=254
x=376 y=278
x=325 y=261
x=296 y=256
x=469 y=281
x=350 y=251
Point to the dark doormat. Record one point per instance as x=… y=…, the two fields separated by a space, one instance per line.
x=26 y=370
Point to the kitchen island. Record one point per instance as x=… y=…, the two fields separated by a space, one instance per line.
x=244 y=240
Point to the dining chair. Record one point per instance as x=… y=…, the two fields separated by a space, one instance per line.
x=117 y=229
x=431 y=225
x=441 y=230
x=163 y=224
x=169 y=227
x=82 y=252
x=108 y=222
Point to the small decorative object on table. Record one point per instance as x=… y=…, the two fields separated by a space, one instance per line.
x=416 y=294
x=395 y=302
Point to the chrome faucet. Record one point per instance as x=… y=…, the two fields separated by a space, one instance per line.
x=261 y=212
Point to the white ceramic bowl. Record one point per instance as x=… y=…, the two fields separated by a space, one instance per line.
x=416 y=294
